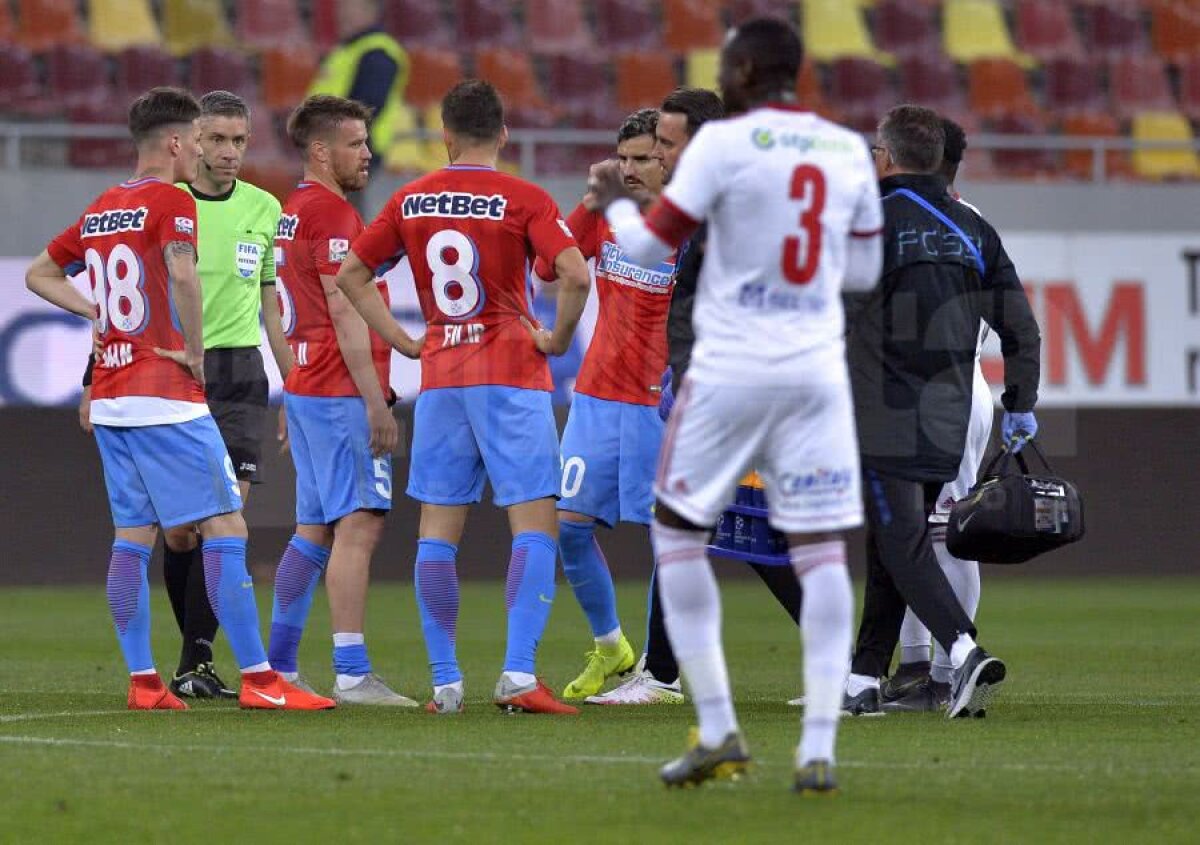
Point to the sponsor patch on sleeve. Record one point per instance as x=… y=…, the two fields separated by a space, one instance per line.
x=185 y=226
x=339 y=248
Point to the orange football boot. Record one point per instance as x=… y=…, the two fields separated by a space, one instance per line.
x=148 y=692
x=538 y=698
x=269 y=691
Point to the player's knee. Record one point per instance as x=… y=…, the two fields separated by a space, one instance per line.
x=224 y=525
x=663 y=515
x=363 y=528
x=181 y=538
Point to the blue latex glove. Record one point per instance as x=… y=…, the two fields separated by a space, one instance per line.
x=667 y=400
x=1017 y=429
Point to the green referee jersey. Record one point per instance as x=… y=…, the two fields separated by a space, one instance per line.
x=235 y=234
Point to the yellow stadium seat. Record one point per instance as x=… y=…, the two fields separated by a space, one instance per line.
x=1164 y=164
x=835 y=29
x=976 y=29
x=191 y=24
x=701 y=68
x=116 y=24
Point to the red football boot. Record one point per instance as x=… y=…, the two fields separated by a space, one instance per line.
x=537 y=698
x=269 y=691
x=148 y=692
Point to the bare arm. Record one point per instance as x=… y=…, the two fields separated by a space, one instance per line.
x=284 y=359
x=356 y=281
x=189 y=305
x=574 y=284
x=47 y=280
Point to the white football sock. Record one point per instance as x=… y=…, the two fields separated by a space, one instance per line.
x=962 y=647
x=857 y=683
x=289 y=676
x=914 y=639
x=610 y=639
x=457 y=686
x=963 y=576
x=521 y=679
x=826 y=628
x=692 y=613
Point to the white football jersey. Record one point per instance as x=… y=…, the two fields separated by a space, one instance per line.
x=782 y=190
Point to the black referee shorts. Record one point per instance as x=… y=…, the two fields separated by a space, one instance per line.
x=236 y=388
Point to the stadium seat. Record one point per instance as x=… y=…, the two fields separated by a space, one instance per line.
x=1046 y=30
x=1139 y=83
x=700 y=68
x=1189 y=88
x=1159 y=163
x=739 y=11
x=1112 y=27
x=997 y=88
x=904 y=28
x=8 y=29
x=1080 y=163
x=142 y=68
x=834 y=29
x=432 y=72
x=1175 y=29
x=644 y=78
x=98 y=152
x=286 y=73
x=513 y=75
x=809 y=93
x=557 y=26
x=976 y=29
x=416 y=23
x=77 y=74
x=266 y=24
x=114 y=25
x=579 y=86
x=490 y=23
x=689 y=24
x=931 y=80
x=191 y=24
x=42 y=24
x=861 y=92
x=276 y=176
x=323 y=15
x=20 y=88
x=1073 y=84
x=214 y=68
x=622 y=24
x=1023 y=164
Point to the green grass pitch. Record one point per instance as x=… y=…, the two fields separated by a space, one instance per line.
x=1096 y=738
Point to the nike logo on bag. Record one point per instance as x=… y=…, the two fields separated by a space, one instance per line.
x=962 y=523
x=278 y=702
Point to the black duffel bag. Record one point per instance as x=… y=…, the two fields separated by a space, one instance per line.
x=1010 y=517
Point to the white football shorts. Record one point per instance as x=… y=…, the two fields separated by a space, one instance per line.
x=979 y=431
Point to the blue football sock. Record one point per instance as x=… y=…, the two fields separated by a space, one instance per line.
x=351 y=659
x=129 y=601
x=436 y=584
x=529 y=594
x=296 y=581
x=231 y=594
x=587 y=573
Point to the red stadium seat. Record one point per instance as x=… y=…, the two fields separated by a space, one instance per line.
x=557 y=26
x=931 y=80
x=1023 y=164
x=77 y=74
x=1113 y=27
x=513 y=75
x=417 y=23
x=216 y=68
x=98 y=152
x=580 y=86
x=1175 y=29
x=622 y=24
x=324 y=21
x=43 y=24
x=432 y=72
x=286 y=74
x=142 y=68
x=1073 y=84
x=1046 y=30
x=904 y=28
x=809 y=93
x=1189 y=88
x=263 y=24
x=1139 y=83
x=691 y=24
x=739 y=11
x=1079 y=163
x=644 y=78
x=20 y=88
x=861 y=92
x=8 y=29
x=998 y=88
x=489 y=23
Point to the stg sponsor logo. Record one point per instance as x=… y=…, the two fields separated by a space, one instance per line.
x=287 y=227
x=454 y=205
x=112 y=221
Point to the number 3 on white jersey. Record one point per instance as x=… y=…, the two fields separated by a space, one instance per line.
x=117 y=287
x=802 y=252
x=453 y=260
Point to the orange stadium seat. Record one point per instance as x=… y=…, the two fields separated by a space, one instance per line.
x=809 y=93
x=557 y=26
x=486 y=23
x=626 y=23
x=214 y=68
x=998 y=87
x=20 y=88
x=1139 y=83
x=432 y=72
x=644 y=78
x=1046 y=30
x=42 y=24
x=8 y=29
x=417 y=23
x=1079 y=163
x=861 y=92
x=512 y=73
x=142 y=68
x=264 y=24
x=1072 y=84
x=77 y=74
x=905 y=28
x=114 y=25
x=1164 y=163
x=688 y=24
x=323 y=15
x=191 y=24
x=1112 y=27
x=286 y=75
x=739 y=11
x=931 y=80
x=1175 y=29
x=579 y=85
x=1023 y=164
x=1189 y=88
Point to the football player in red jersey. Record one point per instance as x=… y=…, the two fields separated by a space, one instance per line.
x=164 y=460
x=336 y=396
x=484 y=411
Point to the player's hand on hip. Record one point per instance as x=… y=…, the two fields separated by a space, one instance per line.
x=1017 y=429
x=194 y=364
x=604 y=185
x=543 y=339
x=281 y=433
x=97 y=343
x=384 y=431
x=85 y=410
x=412 y=349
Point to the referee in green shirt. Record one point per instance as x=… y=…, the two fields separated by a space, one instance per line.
x=236 y=225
